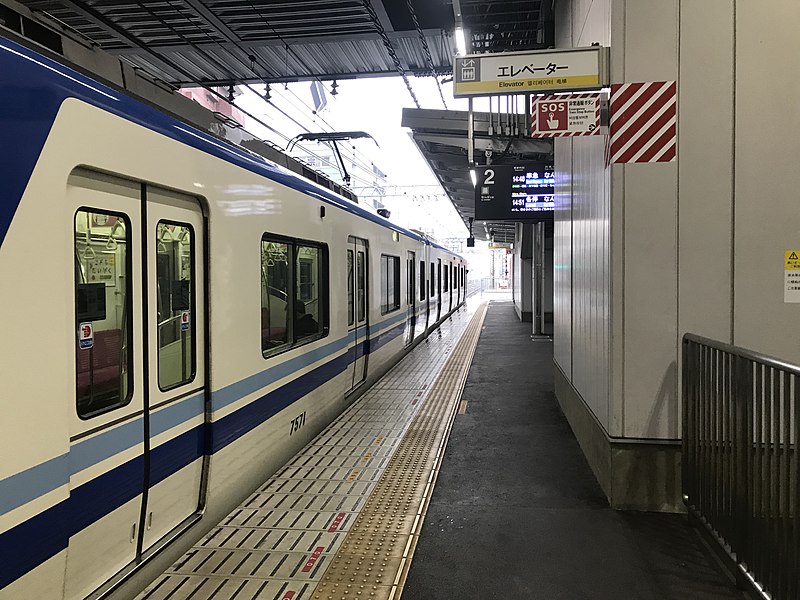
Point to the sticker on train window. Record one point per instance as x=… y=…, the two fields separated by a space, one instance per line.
x=85 y=336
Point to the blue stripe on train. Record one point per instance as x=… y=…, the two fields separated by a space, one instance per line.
x=21 y=488
x=32 y=542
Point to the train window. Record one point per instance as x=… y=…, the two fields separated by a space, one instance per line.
x=294 y=288
x=175 y=304
x=350 y=286
x=102 y=312
x=422 y=287
x=433 y=281
x=411 y=277
x=390 y=283
x=276 y=279
x=308 y=303
x=361 y=268
x=446 y=279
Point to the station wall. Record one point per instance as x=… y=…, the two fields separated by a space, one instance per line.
x=581 y=238
x=696 y=245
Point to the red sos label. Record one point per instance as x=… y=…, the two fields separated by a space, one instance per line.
x=552 y=116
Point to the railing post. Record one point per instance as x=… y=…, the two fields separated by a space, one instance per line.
x=742 y=407
x=688 y=423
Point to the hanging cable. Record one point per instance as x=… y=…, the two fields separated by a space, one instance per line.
x=389 y=49
x=426 y=50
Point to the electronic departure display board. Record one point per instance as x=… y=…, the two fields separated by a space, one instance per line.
x=514 y=192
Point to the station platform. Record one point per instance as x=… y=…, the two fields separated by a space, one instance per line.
x=460 y=459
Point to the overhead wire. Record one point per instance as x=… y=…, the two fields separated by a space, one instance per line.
x=296 y=56
x=188 y=19
x=357 y=161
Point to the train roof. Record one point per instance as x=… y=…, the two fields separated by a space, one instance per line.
x=52 y=82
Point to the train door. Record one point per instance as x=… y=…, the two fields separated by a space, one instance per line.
x=460 y=285
x=411 y=297
x=438 y=289
x=432 y=294
x=176 y=350
x=106 y=454
x=358 y=305
x=457 y=284
x=449 y=268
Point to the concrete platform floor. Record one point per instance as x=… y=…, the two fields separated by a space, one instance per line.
x=517 y=513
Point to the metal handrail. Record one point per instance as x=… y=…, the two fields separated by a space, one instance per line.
x=741 y=469
x=765 y=359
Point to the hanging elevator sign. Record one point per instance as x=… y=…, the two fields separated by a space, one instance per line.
x=514 y=192
x=574 y=69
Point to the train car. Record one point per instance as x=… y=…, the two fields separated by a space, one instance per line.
x=180 y=317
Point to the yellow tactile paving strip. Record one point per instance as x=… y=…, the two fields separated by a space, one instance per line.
x=279 y=542
x=374 y=559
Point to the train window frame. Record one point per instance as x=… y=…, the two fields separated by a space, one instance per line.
x=361 y=285
x=321 y=282
x=411 y=276
x=390 y=305
x=129 y=307
x=192 y=309
x=293 y=244
x=423 y=284
x=351 y=287
x=433 y=280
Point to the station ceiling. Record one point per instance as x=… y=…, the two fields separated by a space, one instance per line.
x=222 y=42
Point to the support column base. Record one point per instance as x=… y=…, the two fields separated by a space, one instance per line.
x=634 y=474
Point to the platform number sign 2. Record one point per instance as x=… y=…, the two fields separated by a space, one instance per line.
x=488 y=179
x=552 y=116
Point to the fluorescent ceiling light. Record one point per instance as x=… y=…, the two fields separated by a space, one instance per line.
x=461 y=41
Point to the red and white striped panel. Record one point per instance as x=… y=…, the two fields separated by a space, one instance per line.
x=643 y=122
x=536 y=130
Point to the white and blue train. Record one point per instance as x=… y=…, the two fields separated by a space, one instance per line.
x=179 y=318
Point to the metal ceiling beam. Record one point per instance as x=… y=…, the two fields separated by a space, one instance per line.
x=274 y=42
x=292 y=78
x=383 y=16
x=212 y=19
x=495 y=144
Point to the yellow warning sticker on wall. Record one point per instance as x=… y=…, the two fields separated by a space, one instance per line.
x=791 y=276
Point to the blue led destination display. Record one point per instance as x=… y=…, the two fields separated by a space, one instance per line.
x=514 y=192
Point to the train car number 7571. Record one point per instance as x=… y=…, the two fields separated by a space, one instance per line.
x=297 y=422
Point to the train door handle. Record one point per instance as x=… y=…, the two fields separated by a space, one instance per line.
x=149 y=520
x=133 y=533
